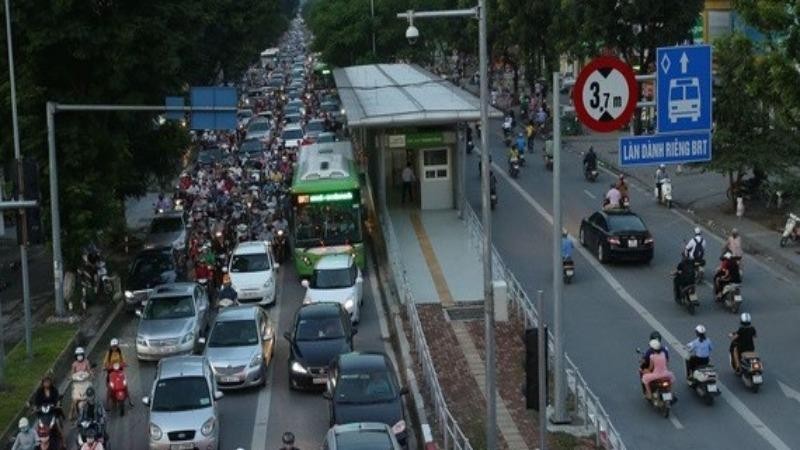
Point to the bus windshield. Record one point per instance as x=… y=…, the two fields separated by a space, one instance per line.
x=335 y=223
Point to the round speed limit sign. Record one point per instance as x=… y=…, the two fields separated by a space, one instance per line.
x=605 y=94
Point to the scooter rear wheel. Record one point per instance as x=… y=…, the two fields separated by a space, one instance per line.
x=784 y=241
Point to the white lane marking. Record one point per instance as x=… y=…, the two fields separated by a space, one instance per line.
x=261 y=425
x=789 y=392
x=675 y=422
x=749 y=417
x=589 y=194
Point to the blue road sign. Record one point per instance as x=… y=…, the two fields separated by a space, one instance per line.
x=683 y=88
x=174 y=102
x=220 y=97
x=665 y=149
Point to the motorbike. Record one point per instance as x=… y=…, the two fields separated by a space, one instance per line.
x=732 y=297
x=513 y=168
x=48 y=417
x=508 y=125
x=548 y=161
x=470 y=146
x=103 y=280
x=493 y=198
x=699 y=271
x=791 y=231
x=750 y=370
x=81 y=381
x=666 y=193
x=590 y=174
x=661 y=392
x=703 y=381
x=522 y=159
x=83 y=429
x=688 y=298
x=568 y=267
x=118 y=388
x=279 y=246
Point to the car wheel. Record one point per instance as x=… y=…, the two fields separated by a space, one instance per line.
x=601 y=256
x=582 y=237
x=263 y=374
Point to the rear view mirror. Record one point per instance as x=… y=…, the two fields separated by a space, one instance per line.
x=218 y=395
x=146 y=400
x=139 y=312
x=201 y=340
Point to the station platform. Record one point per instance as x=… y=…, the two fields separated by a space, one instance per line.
x=441 y=264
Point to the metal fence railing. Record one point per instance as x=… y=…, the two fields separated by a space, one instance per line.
x=586 y=402
x=447 y=430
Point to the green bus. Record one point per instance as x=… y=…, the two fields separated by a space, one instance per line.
x=327 y=211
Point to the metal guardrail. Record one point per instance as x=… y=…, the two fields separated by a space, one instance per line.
x=586 y=402
x=448 y=431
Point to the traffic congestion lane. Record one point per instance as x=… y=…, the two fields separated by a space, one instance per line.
x=593 y=303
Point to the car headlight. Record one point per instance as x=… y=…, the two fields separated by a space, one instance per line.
x=349 y=303
x=255 y=360
x=141 y=341
x=208 y=426
x=307 y=300
x=129 y=295
x=399 y=427
x=155 y=432
x=268 y=283
x=178 y=243
x=188 y=337
x=298 y=368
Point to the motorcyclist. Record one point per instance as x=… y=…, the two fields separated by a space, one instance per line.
x=733 y=244
x=227 y=290
x=163 y=204
x=521 y=142
x=646 y=357
x=492 y=183
x=567 y=247
x=81 y=364
x=695 y=249
x=699 y=351
x=728 y=272
x=661 y=175
x=613 y=198
x=288 y=441
x=590 y=160
x=94 y=412
x=92 y=441
x=530 y=132
x=47 y=440
x=26 y=437
x=657 y=366
x=742 y=340
x=513 y=155
x=113 y=356
x=683 y=276
x=622 y=187
x=46 y=393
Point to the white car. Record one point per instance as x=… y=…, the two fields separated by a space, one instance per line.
x=292 y=136
x=252 y=270
x=337 y=278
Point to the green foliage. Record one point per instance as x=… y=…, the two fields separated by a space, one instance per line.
x=121 y=52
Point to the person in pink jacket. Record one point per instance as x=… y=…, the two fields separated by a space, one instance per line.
x=657 y=368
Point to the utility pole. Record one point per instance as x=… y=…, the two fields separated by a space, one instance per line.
x=22 y=223
x=372 y=25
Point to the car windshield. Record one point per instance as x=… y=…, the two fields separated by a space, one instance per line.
x=293 y=134
x=151 y=265
x=166 y=225
x=323 y=138
x=251 y=146
x=329 y=107
x=258 y=126
x=181 y=394
x=163 y=308
x=317 y=328
x=249 y=263
x=625 y=222
x=364 y=387
x=332 y=278
x=244 y=114
x=364 y=440
x=316 y=126
x=233 y=333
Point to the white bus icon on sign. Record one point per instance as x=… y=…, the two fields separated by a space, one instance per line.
x=684 y=99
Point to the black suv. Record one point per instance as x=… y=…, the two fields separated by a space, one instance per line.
x=321 y=332
x=149 y=269
x=363 y=387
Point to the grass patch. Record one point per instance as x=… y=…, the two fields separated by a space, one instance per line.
x=22 y=376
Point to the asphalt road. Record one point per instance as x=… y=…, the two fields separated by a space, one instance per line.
x=251 y=419
x=611 y=309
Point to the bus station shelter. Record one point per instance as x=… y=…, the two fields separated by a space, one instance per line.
x=404 y=115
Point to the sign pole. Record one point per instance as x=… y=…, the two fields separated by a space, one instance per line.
x=541 y=343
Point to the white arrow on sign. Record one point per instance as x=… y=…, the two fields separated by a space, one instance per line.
x=684 y=62
x=789 y=392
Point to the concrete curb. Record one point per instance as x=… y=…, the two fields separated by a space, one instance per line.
x=60 y=368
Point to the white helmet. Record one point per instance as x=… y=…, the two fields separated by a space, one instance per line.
x=700 y=329
x=23 y=423
x=114 y=342
x=727 y=255
x=745 y=318
x=697 y=230
x=79 y=351
x=662 y=166
x=655 y=344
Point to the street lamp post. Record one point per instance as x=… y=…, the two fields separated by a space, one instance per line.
x=372 y=25
x=491 y=390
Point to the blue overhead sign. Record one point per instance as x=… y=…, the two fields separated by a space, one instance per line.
x=665 y=149
x=218 y=97
x=683 y=88
x=178 y=104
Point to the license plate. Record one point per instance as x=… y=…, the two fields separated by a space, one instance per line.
x=182 y=446
x=319 y=380
x=168 y=349
x=737 y=298
x=757 y=379
x=570 y=272
x=633 y=243
x=712 y=388
x=693 y=297
x=230 y=379
x=666 y=396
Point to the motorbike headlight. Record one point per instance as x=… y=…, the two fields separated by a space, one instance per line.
x=349 y=304
x=298 y=368
x=129 y=295
x=255 y=360
x=208 y=426
x=155 y=432
x=188 y=337
x=306 y=260
x=399 y=427
x=280 y=232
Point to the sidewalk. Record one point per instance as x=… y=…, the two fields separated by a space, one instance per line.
x=703 y=196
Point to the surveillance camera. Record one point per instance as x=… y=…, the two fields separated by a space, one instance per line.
x=412 y=34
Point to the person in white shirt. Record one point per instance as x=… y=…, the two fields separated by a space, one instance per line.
x=613 y=197
x=695 y=248
x=408 y=183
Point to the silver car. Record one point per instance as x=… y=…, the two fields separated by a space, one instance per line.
x=174 y=318
x=371 y=435
x=167 y=230
x=337 y=278
x=183 y=405
x=239 y=347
